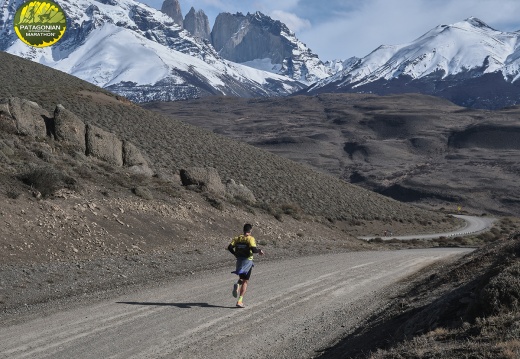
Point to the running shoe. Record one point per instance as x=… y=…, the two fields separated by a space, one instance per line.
x=240 y=305
x=236 y=288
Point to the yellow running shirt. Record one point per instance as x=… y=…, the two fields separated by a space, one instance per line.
x=242 y=245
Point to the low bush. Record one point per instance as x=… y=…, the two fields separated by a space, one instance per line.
x=143 y=192
x=47 y=180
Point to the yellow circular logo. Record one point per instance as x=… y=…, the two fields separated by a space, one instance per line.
x=40 y=23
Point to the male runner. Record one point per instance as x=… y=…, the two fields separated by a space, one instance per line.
x=243 y=247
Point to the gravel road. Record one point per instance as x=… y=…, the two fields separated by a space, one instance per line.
x=473 y=226
x=294 y=309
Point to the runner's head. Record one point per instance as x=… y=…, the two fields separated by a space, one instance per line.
x=247 y=228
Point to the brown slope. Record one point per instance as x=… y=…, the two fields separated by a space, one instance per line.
x=171 y=145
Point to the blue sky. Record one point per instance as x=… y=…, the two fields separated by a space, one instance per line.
x=339 y=29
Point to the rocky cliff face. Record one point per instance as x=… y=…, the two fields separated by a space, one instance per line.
x=197 y=23
x=172 y=8
x=261 y=42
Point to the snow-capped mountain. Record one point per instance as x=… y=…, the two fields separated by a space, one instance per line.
x=139 y=52
x=468 y=56
x=258 y=41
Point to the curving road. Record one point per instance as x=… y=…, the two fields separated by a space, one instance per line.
x=473 y=225
x=294 y=308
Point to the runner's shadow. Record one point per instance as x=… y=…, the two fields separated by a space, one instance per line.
x=178 y=305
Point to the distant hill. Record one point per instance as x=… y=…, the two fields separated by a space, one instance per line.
x=414 y=148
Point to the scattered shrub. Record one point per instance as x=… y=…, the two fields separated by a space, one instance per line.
x=292 y=210
x=502 y=293
x=12 y=194
x=143 y=192
x=47 y=180
x=214 y=202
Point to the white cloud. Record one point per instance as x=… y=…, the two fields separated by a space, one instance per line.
x=293 y=22
x=390 y=22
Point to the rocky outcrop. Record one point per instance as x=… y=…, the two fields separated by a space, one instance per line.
x=204 y=179
x=239 y=191
x=207 y=179
x=69 y=127
x=237 y=38
x=197 y=23
x=172 y=8
x=134 y=159
x=104 y=145
x=24 y=117
x=27 y=118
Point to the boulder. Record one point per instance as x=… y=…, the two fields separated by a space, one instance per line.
x=132 y=156
x=30 y=119
x=4 y=107
x=135 y=161
x=69 y=127
x=204 y=179
x=6 y=120
x=104 y=145
x=239 y=191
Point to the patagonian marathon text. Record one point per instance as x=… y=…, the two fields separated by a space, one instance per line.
x=40 y=27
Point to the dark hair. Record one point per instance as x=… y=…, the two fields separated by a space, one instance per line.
x=248 y=227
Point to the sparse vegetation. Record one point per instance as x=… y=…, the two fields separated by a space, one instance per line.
x=143 y=192
x=47 y=180
x=470 y=309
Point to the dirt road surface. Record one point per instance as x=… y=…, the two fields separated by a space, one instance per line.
x=473 y=225
x=294 y=309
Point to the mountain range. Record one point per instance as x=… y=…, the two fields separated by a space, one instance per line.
x=149 y=55
x=139 y=52
x=468 y=63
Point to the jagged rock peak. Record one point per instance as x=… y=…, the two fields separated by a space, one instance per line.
x=172 y=8
x=197 y=23
x=276 y=26
x=267 y=44
x=238 y=37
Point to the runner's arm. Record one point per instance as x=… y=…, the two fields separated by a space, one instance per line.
x=257 y=250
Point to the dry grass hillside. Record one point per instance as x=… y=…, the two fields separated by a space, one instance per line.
x=468 y=309
x=277 y=183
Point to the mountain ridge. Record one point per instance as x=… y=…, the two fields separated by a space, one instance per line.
x=444 y=58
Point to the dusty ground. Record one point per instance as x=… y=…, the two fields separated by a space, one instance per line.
x=295 y=308
x=81 y=245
